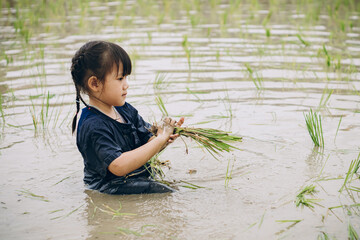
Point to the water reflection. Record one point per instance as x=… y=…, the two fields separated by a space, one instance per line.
x=315 y=162
x=151 y=216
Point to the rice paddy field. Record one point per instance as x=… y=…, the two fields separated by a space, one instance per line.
x=284 y=75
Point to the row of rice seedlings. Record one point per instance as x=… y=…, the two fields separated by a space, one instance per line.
x=353 y=168
x=314 y=127
x=302 y=200
x=41 y=118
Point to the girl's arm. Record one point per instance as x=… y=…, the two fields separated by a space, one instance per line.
x=132 y=160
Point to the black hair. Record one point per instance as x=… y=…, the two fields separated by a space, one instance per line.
x=96 y=58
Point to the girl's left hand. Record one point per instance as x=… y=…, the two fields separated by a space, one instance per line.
x=175 y=136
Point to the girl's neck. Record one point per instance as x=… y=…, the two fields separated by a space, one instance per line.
x=103 y=107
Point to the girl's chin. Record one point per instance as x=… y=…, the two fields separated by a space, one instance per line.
x=121 y=104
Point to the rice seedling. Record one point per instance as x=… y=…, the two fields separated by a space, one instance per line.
x=159 y=82
x=190 y=185
x=352 y=234
x=289 y=221
x=325 y=97
x=262 y=219
x=108 y=210
x=43 y=118
x=126 y=231
x=314 y=127
x=267 y=18
x=323 y=236
x=302 y=40
x=301 y=199
x=228 y=175
x=68 y=214
x=185 y=45
x=353 y=168
x=257 y=80
x=160 y=104
x=327 y=55
x=337 y=130
x=1 y=109
x=267 y=32
x=28 y=194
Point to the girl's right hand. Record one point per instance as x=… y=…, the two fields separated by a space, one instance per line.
x=167 y=128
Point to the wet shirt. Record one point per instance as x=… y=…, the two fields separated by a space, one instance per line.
x=101 y=139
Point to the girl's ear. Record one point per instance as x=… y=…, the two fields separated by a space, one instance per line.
x=94 y=84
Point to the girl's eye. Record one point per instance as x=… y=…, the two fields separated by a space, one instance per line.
x=121 y=78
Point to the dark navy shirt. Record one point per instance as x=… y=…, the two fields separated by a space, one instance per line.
x=101 y=139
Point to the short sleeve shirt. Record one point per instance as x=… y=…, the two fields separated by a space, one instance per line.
x=101 y=139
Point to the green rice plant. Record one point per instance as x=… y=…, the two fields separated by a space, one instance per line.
x=337 y=130
x=127 y=231
x=267 y=32
x=325 y=97
x=323 y=236
x=302 y=40
x=352 y=234
x=327 y=55
x=185 y=45
x=257 y=80
x=228 y=175
x=213 y=140
x=112 y=212
x=301 y=199
x=190 y=185
x=1 y=109
x=160 y=104
x=267 y=18
x=31 y=195
x=262 y=219
x=42 y=118
x=159 y=82
x=289 y=221
x=353 y=168
x=314 y=127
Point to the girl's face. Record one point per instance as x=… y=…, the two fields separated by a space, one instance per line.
x=114 y=90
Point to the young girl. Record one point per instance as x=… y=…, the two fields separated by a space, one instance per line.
x=111 y=136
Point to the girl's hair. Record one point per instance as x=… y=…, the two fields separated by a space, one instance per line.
x=96 y=58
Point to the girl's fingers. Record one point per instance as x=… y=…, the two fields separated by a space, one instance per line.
x=180 y=122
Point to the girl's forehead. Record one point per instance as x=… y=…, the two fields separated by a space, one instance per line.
x=117 y=72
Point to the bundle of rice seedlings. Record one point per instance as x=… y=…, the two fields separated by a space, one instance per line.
x=314 y=126
x=213 y=140
x=302 y=200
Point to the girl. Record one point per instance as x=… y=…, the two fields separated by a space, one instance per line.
x=111 y=136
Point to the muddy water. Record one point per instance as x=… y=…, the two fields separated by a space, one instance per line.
x=42 y=195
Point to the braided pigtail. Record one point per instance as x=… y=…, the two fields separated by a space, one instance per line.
x=77 y=110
